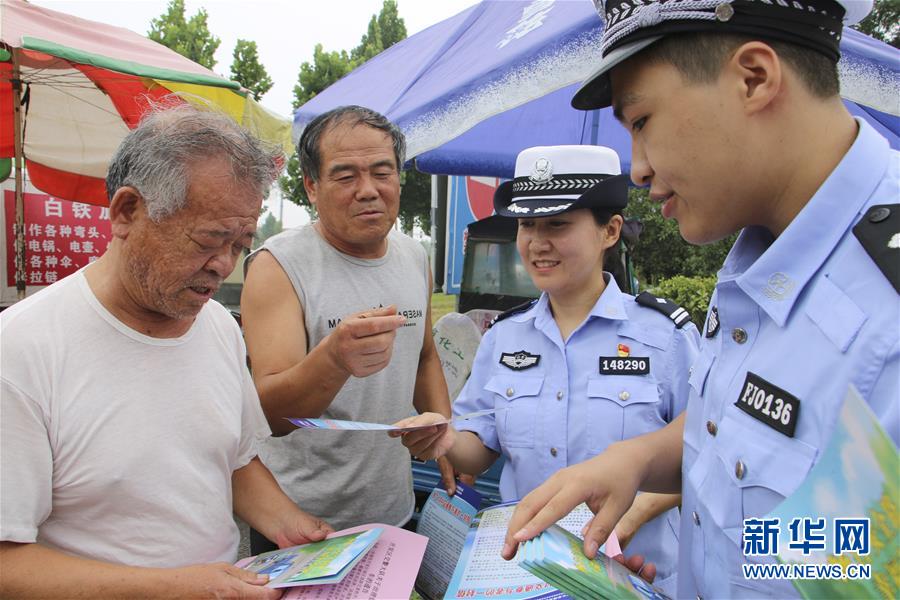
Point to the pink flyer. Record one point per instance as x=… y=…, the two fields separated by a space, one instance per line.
x=388 y=571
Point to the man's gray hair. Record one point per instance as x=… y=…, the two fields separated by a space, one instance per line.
x=308 y=148
x=157 y=156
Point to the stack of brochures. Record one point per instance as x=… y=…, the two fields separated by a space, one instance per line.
x=556 y=557
x=328 y=561
x=482 y=573
x=373 y=561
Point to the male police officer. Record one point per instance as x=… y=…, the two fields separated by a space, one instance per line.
x=737 y=124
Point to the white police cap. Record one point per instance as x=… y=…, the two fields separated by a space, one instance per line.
x=553 y=179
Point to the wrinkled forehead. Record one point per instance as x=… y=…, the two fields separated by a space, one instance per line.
x=223 y=208
x=219 y=231
x=354 y=137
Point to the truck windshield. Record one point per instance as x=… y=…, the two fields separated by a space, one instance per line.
x=496 y=268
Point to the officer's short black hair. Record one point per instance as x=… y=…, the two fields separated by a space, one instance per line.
x=699 y=57
x=603 y=214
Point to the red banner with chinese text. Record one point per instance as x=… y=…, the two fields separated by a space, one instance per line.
x=60 y=237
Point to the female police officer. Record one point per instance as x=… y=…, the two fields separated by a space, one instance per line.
x=583 y=366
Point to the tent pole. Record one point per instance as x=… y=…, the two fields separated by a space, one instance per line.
x=19 y=167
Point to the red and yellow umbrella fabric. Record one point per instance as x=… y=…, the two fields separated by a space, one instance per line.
x=84 y=84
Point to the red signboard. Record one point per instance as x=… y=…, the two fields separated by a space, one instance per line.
x=481 y=195
x=60 y=237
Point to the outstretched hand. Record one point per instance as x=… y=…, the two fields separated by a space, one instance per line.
x=606 y=483
x=429 y=443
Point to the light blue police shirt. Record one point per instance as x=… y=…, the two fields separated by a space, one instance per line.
x=560 y=410
x=808 y=313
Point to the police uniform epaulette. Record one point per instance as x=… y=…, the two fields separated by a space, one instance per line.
x=678 y=315
x=879 y=234
x=514 y=310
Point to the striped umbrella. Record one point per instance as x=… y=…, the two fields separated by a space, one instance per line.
x=70 y=89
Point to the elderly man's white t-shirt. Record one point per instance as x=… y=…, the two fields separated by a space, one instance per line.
x=118 y=446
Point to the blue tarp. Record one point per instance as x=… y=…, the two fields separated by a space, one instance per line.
x=472 y=91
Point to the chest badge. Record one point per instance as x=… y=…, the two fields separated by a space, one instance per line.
x=624 y=364
x=622 y=350
x=769 y=404
x=712 y=323
x=519 y=361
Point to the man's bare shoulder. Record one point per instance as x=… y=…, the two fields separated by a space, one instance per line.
x=263 y=275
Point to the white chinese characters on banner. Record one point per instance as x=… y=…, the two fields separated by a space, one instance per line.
x=60 y=237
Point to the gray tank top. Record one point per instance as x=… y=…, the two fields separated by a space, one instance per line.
x=353 y=477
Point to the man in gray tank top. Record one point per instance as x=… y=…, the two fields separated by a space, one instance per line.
x=337 y=321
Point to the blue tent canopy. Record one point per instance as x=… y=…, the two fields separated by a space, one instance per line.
x=472 y=91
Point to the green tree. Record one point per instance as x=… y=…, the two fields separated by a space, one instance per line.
x=661 y=253
x=370 y=45
x=415 y=201
x=248 y=71
x=188 y=37
x=391 y=25
x=384 y=30
x=270 y=227
x=883 y=23
x=325 y=69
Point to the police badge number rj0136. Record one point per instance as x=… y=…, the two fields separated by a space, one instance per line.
x=519 y=361
x=769 y=404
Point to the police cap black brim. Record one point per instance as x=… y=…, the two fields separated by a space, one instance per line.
x=596 y=91
x=610 y=193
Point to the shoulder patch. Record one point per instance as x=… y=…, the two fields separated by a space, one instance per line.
x=513 y=311
x=678 y=315
x=879 y=233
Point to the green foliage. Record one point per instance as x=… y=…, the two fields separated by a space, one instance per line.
x=883 y=23
x=370 y=45
x=391 y=25
x=661 y=253
x=248 y=71
x=190 y=38
x=385 y=29
x=270 y=227
x=291 y=185
x=415 y=200
x=691 y=293
x=325 y=69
